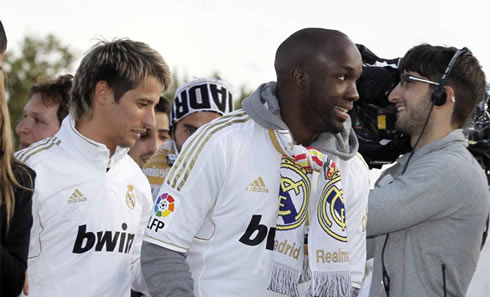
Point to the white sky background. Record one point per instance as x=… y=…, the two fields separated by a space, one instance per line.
x=238 y=39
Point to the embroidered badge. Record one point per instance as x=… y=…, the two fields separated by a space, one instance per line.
x=164 y=205
x=130 y=197
x=331 y=170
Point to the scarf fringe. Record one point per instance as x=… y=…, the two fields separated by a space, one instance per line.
x=284 y=280
x=306 y=273
x=327 y=284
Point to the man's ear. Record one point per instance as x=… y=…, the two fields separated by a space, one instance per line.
x=299 y=77
x=103 y=93
x=451 y=95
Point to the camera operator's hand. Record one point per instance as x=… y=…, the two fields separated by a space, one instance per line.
x=25 y=290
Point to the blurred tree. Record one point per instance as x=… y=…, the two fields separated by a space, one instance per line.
x=175 y=82
x=39 y=59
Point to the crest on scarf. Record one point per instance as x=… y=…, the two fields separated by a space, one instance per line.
x=331 y=207
x=294 y=191
x=330 y=170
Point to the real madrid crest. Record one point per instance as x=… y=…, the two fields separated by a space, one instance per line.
x=294 y=190
x=130 y=197
x=331 y=206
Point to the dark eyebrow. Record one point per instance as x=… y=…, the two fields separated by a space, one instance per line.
x=190 y=126
x=147 y=100
x=34 y=113
x=348 y=68
x=351 y=69
x=164 y=130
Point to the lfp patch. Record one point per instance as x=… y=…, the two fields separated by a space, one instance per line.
x=164 y=205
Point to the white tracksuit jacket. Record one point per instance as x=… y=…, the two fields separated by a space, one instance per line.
x=89 y=213
x=219 y=204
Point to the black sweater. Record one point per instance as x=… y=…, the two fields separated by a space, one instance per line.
x=14 y=243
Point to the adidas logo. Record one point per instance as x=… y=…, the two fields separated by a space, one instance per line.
x=77 y=196
x=257 y=186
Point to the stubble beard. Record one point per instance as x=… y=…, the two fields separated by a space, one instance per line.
x=330 y=126
x=412 y=122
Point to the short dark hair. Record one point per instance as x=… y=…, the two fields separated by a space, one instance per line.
x=466 y=78
x=299 y=48
x=163 y=105
x=55 y=92
x=3 y=39
x=123 y=64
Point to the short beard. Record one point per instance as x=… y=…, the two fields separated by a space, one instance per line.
x=414 y=122
x=330 y=127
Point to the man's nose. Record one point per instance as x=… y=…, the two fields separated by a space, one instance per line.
x=21 y=127
x=352 y=93
x=152 y=142
x=149 y=119
x=394 y=95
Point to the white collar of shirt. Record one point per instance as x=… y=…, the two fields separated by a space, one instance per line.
x=88 y=149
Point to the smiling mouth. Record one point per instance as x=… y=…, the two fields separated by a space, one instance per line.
x=400 y=108
x=139 y=132
x=341 y=109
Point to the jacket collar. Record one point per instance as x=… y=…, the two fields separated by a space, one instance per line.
x=87 y=149
x=454 y=137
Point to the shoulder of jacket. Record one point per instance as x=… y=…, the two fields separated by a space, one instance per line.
x=228 y=123
x=222 y=129
x=358 y=158
x=39 y=151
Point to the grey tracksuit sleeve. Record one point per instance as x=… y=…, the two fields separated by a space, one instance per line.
x=166 y=272
x=429 y=190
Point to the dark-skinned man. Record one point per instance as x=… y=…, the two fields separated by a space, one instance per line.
x=230 y=218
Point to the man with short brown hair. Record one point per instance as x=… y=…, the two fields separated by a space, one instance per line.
x=427 y=212
x=91 y=201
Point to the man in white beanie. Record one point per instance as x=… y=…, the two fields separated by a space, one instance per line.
x=196 y=103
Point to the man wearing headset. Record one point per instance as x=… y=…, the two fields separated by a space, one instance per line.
x=427 y=212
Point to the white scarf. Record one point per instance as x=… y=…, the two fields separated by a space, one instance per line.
x=328 y=256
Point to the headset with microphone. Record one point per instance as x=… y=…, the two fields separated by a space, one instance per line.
x=439 y=96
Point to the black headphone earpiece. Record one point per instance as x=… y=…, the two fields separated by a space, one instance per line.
x=439 y=96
